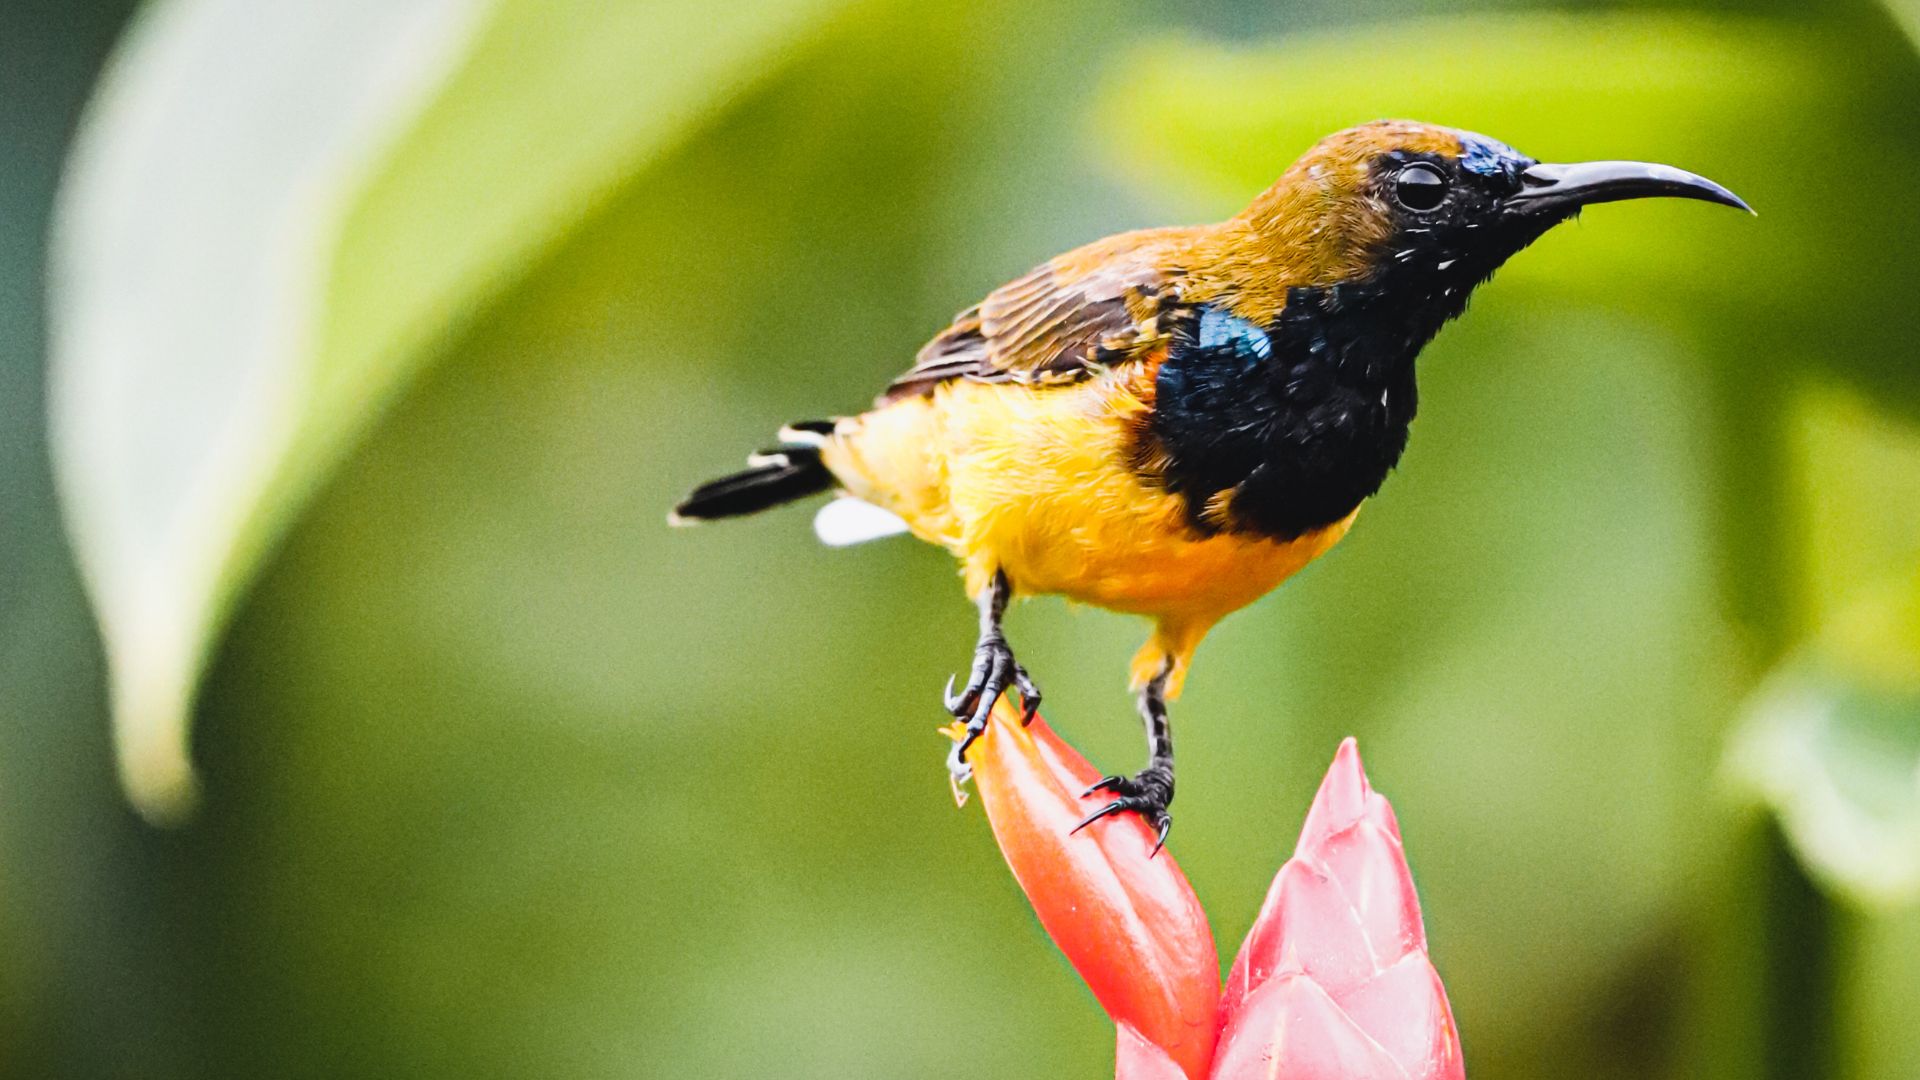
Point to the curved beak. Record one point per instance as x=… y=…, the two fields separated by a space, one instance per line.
x=1549 y=190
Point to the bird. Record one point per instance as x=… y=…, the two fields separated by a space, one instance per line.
x=1170 y=422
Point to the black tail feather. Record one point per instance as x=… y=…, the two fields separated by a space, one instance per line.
x=778 y=475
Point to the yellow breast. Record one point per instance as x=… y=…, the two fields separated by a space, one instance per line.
x=1038 y=482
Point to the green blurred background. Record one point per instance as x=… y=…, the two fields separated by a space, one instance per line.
x=499 y=777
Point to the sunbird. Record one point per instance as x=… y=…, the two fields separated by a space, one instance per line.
x=1172 y=421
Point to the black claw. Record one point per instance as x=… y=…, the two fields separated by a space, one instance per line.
x=1146 y=794
x=954 y=701
x=1113 y=807
x=1029 y=695
x=960 y=704
x=994 y=670
x=1150 y=809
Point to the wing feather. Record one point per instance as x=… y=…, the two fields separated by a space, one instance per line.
x=1078 y=313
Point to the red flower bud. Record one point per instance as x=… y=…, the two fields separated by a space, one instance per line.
x=1126 y=919
x=1333 y=980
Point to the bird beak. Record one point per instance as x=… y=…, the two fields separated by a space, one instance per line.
x=1549 y=190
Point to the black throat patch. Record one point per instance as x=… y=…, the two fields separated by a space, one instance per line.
x=1282 y=429
x=1285 y=429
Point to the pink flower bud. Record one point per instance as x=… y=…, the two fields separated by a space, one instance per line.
x=1333 y=980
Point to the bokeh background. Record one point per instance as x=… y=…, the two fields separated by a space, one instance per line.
x=369 y=342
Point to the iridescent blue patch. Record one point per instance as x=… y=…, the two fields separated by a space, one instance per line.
x=1482 y=155
x=1224 y=329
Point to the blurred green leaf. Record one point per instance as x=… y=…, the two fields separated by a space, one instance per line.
x=196 y=221
x=1832 y=740
x=1839 y=762
x=1907 y=14
x=254 y=261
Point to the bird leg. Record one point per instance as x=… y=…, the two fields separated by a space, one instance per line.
x=1150 y=791
x=994 y=669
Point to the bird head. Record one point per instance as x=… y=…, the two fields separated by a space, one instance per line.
x=1433 y=209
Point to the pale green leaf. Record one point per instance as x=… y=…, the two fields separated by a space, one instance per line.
x=1831 y=741
x=1839 y=763
x=1907 y=14
x=276 y=216
x=197 y=221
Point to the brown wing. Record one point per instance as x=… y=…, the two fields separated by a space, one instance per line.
x=1078 y=313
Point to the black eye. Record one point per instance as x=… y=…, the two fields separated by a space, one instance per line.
x=1420 y=187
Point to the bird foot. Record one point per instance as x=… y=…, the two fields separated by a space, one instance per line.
x=1147 y=793
x=994 y=670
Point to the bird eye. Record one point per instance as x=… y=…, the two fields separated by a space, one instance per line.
x=1420 y=187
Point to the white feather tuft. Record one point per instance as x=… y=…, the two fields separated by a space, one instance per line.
x=846 y=521
x=796 y=437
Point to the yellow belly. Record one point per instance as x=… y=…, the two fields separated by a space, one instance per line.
x=1036 y=482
